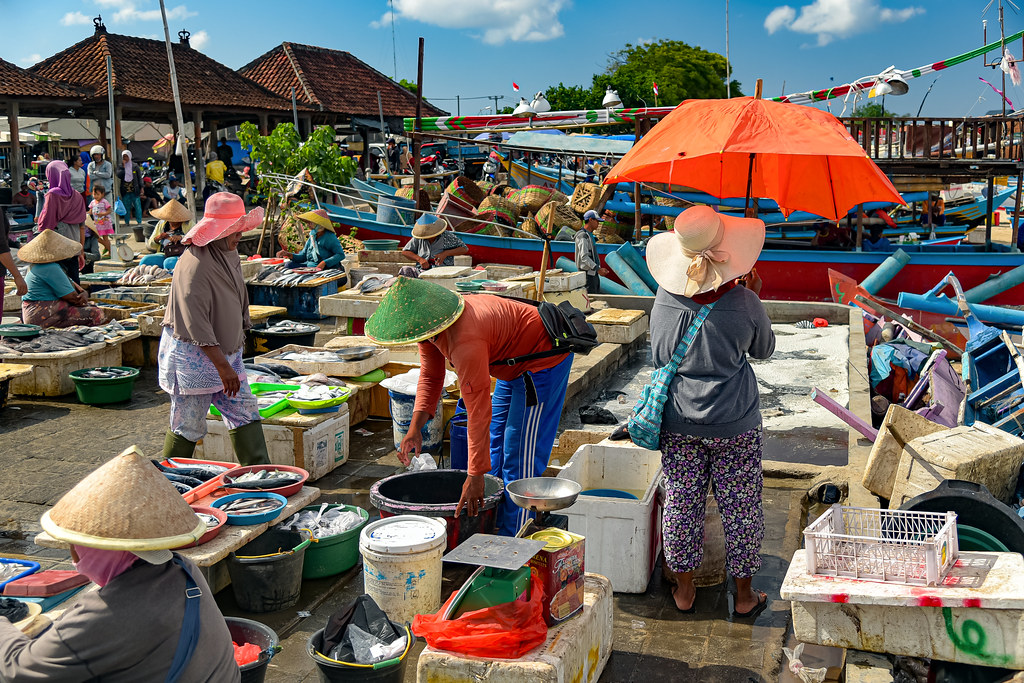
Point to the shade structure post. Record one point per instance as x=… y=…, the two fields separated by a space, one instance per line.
x=182 y=148
x=416 y=169
x=988 y=214
x=114 y=141
x=860 y=226
x=17 y=168
x=1015 y=221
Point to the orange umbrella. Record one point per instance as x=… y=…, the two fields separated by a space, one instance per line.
x=801 y=157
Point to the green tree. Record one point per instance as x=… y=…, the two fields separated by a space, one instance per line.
x=563 y=97
x=283 y=153
x=408 y=85
x=681 y=71
x=874 y=110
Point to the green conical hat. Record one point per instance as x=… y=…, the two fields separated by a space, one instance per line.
x=413 y=310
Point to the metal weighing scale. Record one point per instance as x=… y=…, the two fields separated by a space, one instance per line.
x=500 y=559
x=124 y=253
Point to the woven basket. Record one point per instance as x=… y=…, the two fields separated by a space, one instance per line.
x=531 y=198
x=485 y=186
x=587 y=197
x=466 y=190
x=531 y=226
x=502 y=189
x=670 y=221
x=433 y=191
x=554 y=215
x=499 y=210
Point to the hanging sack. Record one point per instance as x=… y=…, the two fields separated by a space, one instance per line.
x=644 y=424
x=119 y=208
x=506 y=631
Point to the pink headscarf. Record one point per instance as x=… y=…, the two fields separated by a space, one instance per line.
x=103 y=566
x=62 y=203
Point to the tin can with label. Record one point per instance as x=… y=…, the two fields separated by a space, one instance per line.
x=561 y=568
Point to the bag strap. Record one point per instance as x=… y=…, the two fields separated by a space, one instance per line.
x=190 y=625
x=689 y=336
x=533 y=356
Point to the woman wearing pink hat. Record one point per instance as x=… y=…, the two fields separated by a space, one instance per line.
x=200 y=356
x=711 y=432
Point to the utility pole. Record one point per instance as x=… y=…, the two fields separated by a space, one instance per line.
x=458 y=105
x=728 y=67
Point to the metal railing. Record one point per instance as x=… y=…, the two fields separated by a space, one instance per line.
x=988 y=137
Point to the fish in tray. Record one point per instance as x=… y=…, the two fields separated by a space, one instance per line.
x=106 y=373
x=312 y=357
x=260 y=480
x=251 y=506
x=176 y=478
x=193 y=471
x=182 y=488
x=210 y=521
x=9 y=571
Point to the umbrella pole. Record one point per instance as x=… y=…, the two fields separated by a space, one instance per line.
x=750 y=205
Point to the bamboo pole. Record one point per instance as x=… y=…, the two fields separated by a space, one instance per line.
x=114 y=158
x=860 y=226
x=180 y=142
x=1015 y=224
x=543 y=266
x=419 y=125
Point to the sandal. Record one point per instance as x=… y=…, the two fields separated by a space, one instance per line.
x=620 y=434
x=762 y=603
x=692 y=609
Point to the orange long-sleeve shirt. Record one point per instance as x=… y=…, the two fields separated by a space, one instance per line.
x=490 y=329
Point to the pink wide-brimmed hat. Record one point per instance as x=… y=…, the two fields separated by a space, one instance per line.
x=224 y=215
x=705 y=250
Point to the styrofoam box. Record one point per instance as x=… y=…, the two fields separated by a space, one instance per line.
x=563 y=282
x=51 y=371
x=623 y=536
x=317 y=448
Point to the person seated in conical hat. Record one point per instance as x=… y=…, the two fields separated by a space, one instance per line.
x=53 y=299
x=153 y=616
x=322 y=248
x=432 y=244
x=173 y=216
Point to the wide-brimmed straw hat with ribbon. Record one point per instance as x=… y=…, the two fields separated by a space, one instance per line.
x=704 y=250
x=126 y=504
x=413 y=310
x=318 y=216
x=172 y=212
x=428 y=226
x=49 y=247
x=224 y=215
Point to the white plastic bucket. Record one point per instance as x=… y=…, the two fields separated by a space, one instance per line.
x=402 y=564
x=401 y=416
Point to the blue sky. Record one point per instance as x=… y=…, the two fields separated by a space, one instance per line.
x=477 y=48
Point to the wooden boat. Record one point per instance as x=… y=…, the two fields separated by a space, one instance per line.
x=971 y=212
x=788 y=274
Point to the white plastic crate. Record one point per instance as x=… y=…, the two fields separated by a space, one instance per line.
x=623 y=536
x=895 y=546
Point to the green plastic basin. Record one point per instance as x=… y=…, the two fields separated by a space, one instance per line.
x=97 y=390
x=334 y=554
x=972 y=539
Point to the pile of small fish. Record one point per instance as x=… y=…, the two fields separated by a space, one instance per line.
x=51 y=341
x=318 y=393
x=287 y=277
x=20 y=328
x=290 y=326
x=187 y=477
x=263 y=480
x=373 y=283
x=250 y=506
x=326 y=522
x=10 y=570
x=312 y=357
x=275 y=371
x=210 y=521
x=105 y=373
x=14 y=610
x=143 y=275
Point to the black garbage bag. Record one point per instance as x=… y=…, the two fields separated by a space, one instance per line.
x=364 y=613
x=595 y=415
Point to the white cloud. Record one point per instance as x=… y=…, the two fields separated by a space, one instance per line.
x=75 y=19
x=831 y=19
x=384 y=20
x=500 y=20
x=780 y=17
x=31 y=59
x=198 y=40
x=129 y=12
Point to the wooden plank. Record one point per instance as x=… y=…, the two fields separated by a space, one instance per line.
x=615 y=316
x=827 y=402
x=911 y=325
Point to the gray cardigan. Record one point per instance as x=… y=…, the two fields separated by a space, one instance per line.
x=715 y=393
x=126 y=632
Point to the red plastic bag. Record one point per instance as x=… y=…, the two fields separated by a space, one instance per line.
x=502 y=632
x=246 y=653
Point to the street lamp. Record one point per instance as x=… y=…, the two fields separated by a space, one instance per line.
x=523 y=108
x=540 y=103
x=611 y=99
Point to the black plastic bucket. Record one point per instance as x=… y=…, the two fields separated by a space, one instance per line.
x=249 y=631
x=975 y=507
x=331 y=671
x=263 y=340
x=263 y=578
x=436 y=493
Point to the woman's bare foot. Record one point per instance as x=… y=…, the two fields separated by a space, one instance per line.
x=684 y=594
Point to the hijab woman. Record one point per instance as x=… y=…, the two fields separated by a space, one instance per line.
x=711 y=432
x=64 y=211
x=153 y=617
x=200 y=358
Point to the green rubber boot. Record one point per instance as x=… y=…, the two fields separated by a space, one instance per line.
x=249 y=444
x=177 y=446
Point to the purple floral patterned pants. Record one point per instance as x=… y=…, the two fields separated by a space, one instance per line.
x=733 y=468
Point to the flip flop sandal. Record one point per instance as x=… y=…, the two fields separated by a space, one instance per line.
x=620 y=434
x=692 y=609
x=762 y=603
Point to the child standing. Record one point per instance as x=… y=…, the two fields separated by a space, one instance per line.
x=100 y=210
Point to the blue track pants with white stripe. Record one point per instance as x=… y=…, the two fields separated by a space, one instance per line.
x=523 y=431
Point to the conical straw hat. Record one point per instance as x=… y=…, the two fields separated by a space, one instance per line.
x=126 y=504
x=49 y=247
x=413 y=310
x=172 y=212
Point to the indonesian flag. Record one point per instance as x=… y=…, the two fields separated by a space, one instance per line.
x=655 y=88
x=515 y=86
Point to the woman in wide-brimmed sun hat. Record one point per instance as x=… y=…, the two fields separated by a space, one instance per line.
x=200 y=357
x=432 y=244
x=322 y=248
x=711 y=429
x=153 y=617
x=53 y=299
